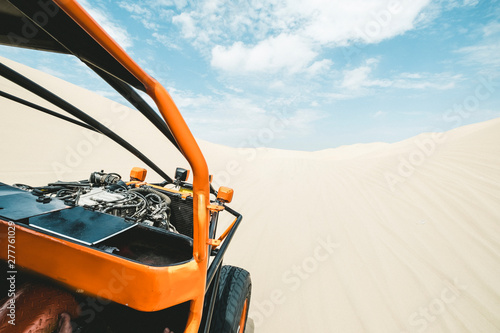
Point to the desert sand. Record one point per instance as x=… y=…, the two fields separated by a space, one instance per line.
x=388 y=238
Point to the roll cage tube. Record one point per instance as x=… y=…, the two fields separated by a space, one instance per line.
x=130 y=95
x=183 y=136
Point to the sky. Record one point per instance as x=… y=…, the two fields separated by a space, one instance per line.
x=306 y=75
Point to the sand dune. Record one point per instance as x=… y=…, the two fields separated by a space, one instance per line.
x=400 y=237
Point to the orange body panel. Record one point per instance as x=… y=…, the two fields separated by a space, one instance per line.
x=110 y=277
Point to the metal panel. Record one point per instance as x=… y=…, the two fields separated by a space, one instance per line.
x=16 y=204
x=81 y=225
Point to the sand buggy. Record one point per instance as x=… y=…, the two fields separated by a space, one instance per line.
x=111 y=253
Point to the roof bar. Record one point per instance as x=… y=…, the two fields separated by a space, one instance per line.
x=45 y=110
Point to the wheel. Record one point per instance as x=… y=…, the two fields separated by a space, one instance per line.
x=232 y=302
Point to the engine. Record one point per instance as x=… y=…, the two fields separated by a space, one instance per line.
x=107 y=193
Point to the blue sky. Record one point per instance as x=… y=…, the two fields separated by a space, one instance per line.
x=308 y=75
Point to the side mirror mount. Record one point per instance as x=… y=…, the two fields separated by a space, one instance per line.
x=225 y=194
x=138 y=174
x=181 y=175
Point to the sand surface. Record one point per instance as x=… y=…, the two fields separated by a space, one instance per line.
x=378 y=237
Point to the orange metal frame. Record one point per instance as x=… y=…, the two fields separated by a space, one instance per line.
x=186 y=281
x=142 y=287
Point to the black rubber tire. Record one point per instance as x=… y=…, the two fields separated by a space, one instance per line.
x=235 y=288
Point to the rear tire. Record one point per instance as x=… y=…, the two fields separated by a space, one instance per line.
x=232 y=302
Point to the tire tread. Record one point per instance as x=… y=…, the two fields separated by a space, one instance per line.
x=234 y=288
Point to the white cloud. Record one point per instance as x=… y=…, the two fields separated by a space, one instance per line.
x=264 y=30
x=235 y=89
x=187 y=24
x=485 y=52
x=119 y=34
x=321 y=21
x=470 y=2
x=341 y=23
x=411 y=75
x=165 y=40
x=212 y=117
x=460 y=3
x=142 y=14
x=361 y=78
x=282 y=52
x=320 y=66
x=379 y=114
x=356 y=78
x=179 y=4
x=134 y=8
x=204 y=107
x=492 y=28
x=277 y=85
x=301 y=121
x=440 y=81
